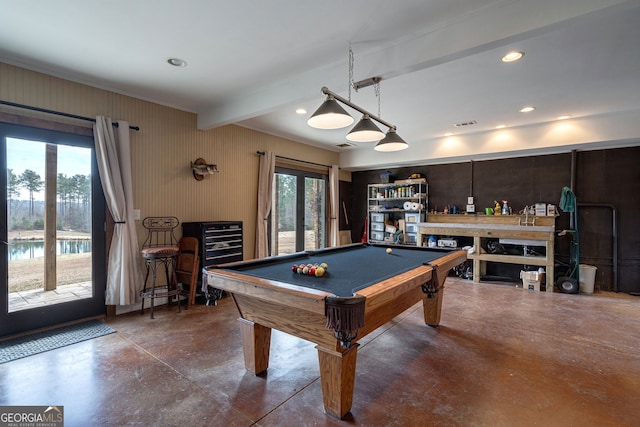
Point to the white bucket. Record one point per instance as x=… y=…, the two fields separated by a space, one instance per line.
x=587 y=278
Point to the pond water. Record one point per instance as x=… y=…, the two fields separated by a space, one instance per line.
x=35 y=248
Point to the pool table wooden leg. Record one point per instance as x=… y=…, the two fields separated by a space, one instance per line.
x=337 y=375
x=433 y=307
x=256 y=341
x=432 y=302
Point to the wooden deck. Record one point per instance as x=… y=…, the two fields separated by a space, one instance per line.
x=33 y=298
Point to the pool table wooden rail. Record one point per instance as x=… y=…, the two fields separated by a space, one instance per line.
x=267 y=290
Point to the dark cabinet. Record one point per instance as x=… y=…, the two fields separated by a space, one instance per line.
x=219 y=242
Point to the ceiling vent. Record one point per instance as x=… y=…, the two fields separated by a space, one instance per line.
x=344 y=145
x=463 y=124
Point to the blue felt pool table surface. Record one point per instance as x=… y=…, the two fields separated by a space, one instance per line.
x=351 y=267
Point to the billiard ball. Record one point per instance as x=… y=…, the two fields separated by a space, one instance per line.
x=389 y=250
x=319 y=272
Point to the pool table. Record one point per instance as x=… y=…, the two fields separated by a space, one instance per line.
x=364 y=287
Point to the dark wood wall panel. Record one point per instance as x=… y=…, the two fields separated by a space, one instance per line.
x=452 y=181
x=610 y=178
x=604 y=177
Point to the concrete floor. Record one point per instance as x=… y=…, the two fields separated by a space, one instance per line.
x=502 y=356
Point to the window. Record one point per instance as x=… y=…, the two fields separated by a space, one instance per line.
x=299 y=211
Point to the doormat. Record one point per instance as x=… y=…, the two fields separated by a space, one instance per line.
x=28 y=345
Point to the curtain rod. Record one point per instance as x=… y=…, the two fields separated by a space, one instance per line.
x=296 y=160
x=57 y=113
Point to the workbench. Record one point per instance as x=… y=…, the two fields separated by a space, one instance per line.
x=533 y=230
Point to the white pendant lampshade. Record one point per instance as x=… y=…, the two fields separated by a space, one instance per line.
x=330 y=115
x=391 y=142
x=365 y=131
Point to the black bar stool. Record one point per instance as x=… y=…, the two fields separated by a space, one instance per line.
x=160 y=249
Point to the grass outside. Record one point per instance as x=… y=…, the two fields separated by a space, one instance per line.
x=28 y=274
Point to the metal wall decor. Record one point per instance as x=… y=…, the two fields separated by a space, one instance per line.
x=200 y=168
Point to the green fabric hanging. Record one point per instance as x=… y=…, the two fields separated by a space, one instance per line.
x=567 y=200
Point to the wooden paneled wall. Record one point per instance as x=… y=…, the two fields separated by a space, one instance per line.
x=607 y=178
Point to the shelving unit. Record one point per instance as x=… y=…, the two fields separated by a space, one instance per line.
x=396 y=206
x=536 y=231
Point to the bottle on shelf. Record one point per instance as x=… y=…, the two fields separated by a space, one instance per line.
x=505 y=208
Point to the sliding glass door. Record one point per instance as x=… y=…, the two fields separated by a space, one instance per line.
x=53 y=238
x=299 y=211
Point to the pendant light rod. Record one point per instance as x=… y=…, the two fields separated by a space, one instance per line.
x=337 y=97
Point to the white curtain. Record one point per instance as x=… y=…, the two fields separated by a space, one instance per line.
x=334 y=206
x=265 y=189
x=124 y=272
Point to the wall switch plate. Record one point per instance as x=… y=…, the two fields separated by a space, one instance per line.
x=136 y=214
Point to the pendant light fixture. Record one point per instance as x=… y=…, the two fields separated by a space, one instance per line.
x=331 y=115
x=365 y=131
x=391 y=142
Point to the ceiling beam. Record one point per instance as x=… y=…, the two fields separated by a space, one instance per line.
x=501 y=24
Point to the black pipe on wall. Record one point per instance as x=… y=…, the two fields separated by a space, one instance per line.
x=614 y=235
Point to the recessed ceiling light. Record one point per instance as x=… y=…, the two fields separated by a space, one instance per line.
x=448 y=134
x=512 y=56
x=527 y=109
x=564 y=117
x=501 y=126
x=301 y=111
x=177 y=62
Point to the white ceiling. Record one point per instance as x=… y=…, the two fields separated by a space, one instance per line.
x=253 y=62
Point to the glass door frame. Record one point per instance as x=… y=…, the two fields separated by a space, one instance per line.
x=300 y=175
x=41 y=317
